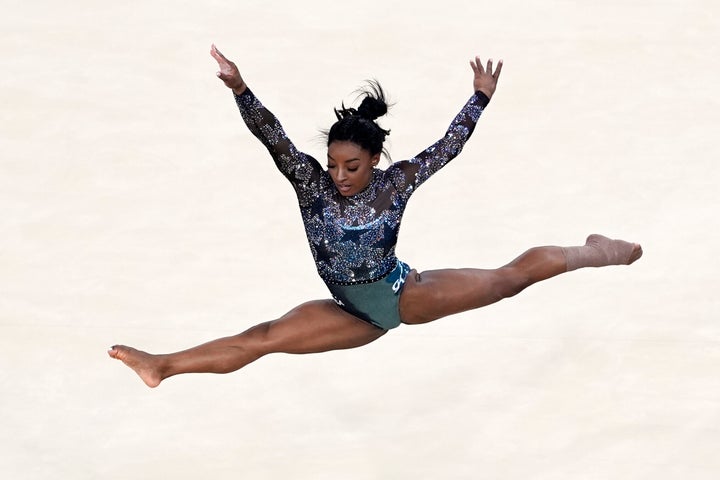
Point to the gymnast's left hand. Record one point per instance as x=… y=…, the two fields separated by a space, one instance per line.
x=484 y=79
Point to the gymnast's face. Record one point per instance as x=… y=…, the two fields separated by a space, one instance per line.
x=350 y=167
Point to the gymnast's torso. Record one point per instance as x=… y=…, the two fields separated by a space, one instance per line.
x=353 y=238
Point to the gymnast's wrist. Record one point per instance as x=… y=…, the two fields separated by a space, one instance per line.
x=240 y=89
x=483 y=97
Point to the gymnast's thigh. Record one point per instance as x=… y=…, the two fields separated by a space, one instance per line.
x=434 y=294
x=318 y=326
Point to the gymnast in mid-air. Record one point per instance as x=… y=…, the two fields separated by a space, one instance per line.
x=351 y=211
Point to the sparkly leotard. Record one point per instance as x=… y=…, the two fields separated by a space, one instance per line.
x=353 y=239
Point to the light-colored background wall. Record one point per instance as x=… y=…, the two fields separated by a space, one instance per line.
x=136 y=208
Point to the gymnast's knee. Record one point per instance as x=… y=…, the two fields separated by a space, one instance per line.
x=510 y=281
x=256 y=339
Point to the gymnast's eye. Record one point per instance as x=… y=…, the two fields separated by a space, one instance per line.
x=352 y=169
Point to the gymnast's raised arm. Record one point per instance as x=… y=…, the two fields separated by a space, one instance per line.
x=297 y=166
x=421 y=167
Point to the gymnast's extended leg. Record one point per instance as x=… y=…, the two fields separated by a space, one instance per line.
x=438 y=293
x=313 y=327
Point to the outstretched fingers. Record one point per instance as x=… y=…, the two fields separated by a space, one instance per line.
x=484 y=79
x=224 y=64
x=498 y=69
x=476 y=66
x=478 y=69
x=219 y=57
x=216 y=53
x=228 y=71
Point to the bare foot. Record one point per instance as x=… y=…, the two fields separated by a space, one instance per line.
x=144 y=364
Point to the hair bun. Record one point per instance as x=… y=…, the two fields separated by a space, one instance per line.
x=372 y=108
x=358 y=125
x=374 y=103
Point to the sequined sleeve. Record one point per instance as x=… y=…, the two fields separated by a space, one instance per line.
x=302 y=170
x=421 y=167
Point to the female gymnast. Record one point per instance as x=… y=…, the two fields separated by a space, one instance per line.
x=352 y=213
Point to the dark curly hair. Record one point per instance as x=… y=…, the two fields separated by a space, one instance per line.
x=358 y=125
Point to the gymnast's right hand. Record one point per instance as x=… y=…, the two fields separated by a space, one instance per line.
x=229 y=73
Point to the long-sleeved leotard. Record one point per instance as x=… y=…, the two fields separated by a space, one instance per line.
x=353 y=238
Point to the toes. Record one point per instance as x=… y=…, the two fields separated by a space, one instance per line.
x=118 y=351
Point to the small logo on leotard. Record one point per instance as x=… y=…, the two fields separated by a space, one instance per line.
x=402 y=271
